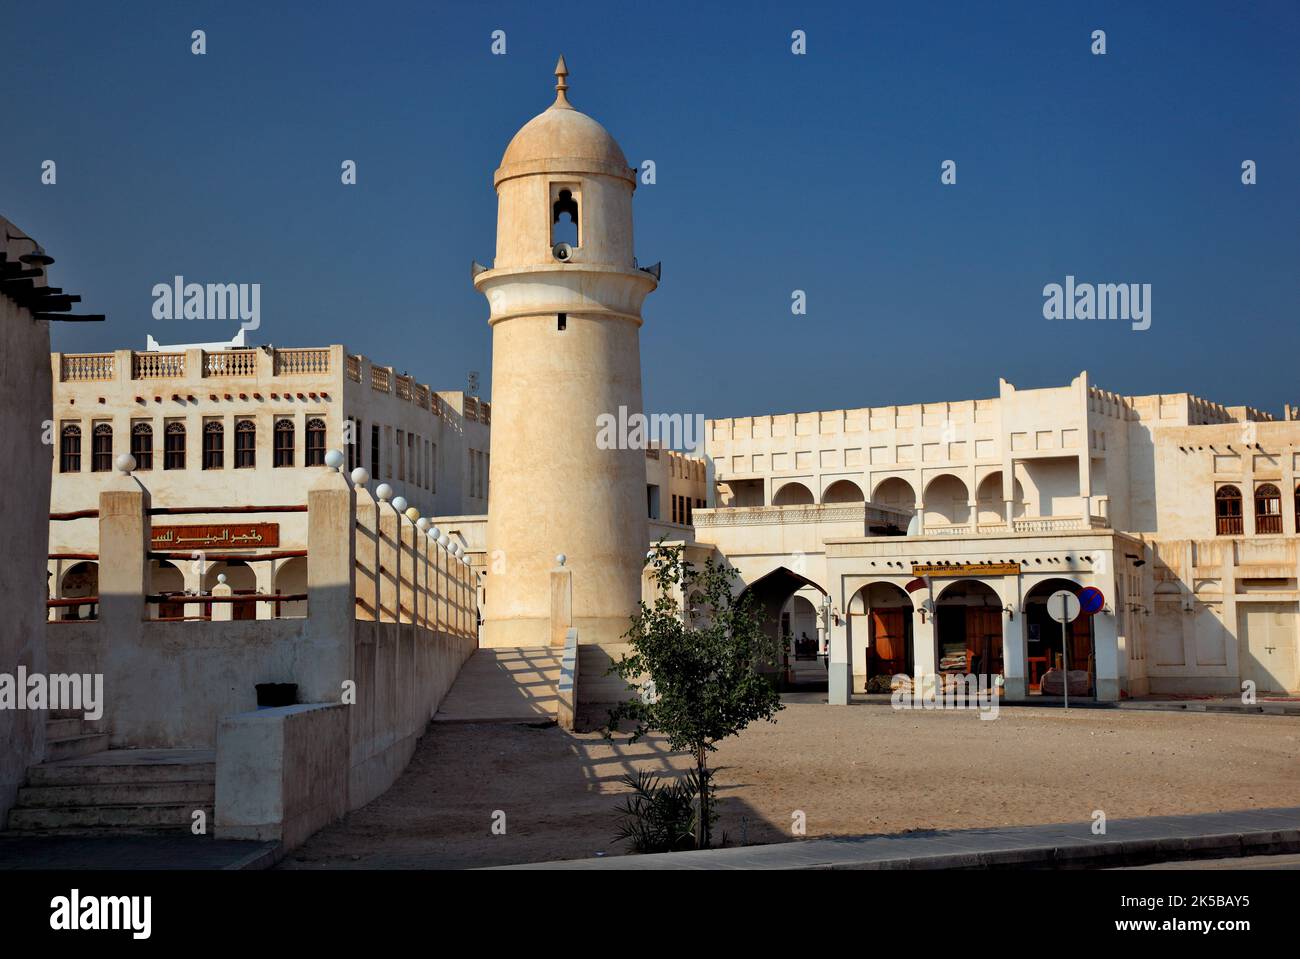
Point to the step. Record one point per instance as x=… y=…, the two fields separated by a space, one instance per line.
x=198 y=793
x=116 y=817
x=115 y=766
x=62 y=729
x=75 y=746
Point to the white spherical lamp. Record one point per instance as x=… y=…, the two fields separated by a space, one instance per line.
x=360 y=476
x=399 y=503
x=384 y=493
x=125 y=462
x=422 y=524
x=334 y=459
x=559 y=560
x=434 y=533
x=443 y=540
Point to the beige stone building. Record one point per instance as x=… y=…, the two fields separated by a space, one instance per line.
x=238 y=427
x=1181 y=511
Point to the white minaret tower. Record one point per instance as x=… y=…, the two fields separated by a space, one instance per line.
x=565 y=297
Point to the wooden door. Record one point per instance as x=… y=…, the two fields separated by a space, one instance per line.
x=888 y=642
x=984 y=640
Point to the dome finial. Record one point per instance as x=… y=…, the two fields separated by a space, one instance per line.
x=561 y=86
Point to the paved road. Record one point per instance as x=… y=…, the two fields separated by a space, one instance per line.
x=1253 y=862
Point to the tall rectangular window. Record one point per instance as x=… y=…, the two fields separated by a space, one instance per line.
x=245 y=445
x=374 y=450
x=142 y=445
x=315 y=452
x=214 y=445
x=283 y=452
x=433 y=469
x=70 y=449
x=101 y=448
x=354 y=443
x=174 y=447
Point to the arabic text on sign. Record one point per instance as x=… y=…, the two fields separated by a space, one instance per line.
x=232 y=536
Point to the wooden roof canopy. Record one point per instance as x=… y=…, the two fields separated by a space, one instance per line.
x=18 y=282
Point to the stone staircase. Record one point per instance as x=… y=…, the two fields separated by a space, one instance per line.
x=85 y=788
x=504 y=685
x=71 y=738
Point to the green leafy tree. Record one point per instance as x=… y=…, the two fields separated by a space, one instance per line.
x=698 y=668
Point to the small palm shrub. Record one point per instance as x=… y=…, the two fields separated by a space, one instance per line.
x=659 y=815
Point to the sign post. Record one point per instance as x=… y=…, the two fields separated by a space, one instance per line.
x=1064 y=607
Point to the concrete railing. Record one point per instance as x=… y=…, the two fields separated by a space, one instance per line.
x=566 y=690
x=147 y=366
x=1052 y=524
x=80 y=367
x=230 y=363
x=314 y=360
x=859 y=513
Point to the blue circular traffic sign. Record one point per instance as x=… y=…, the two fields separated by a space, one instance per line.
x=1091 y=599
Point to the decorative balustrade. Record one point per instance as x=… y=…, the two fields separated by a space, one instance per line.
x=958 y=529
x=154 y=366
x=230 y=363
x=485 y=414
x=1052 y=524
x=421 y=398
x=86 y=367
x=404 y=388
x=379 y=378
x=353 y=368
x=312 y=360
x=857 y=513
x=471 y=408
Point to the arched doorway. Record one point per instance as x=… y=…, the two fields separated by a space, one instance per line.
x=804 y=660
x=880 y=626
x=897 y=493
x=1044 y=647
x=166 y=579
x=242 y=581
x=291 y=580
x=947 y=504
x=843 y=491
x=793 y=494
x=992 y=508
x=773 y=593
x=968 y=632
x=80 y=580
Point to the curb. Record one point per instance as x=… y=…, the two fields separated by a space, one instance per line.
x=258 y=859
x=1097 y=855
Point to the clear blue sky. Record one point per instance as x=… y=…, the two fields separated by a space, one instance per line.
x=775 y=172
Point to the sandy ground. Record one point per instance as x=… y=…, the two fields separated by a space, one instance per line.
x=851 y=771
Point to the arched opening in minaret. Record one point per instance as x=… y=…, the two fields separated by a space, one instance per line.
x=564 y=219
